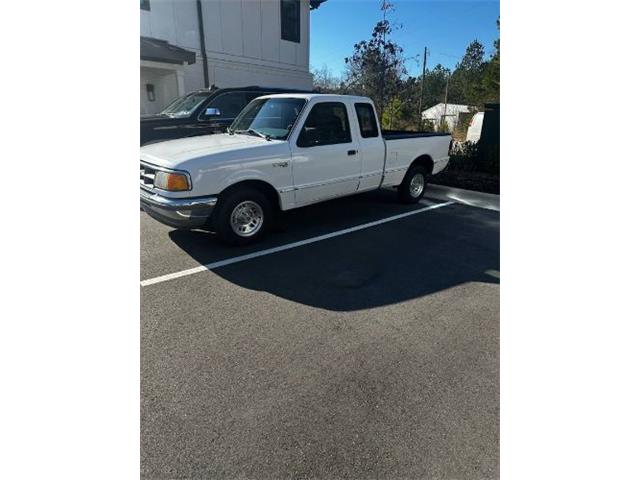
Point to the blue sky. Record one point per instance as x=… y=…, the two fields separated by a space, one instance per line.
x=446 y=27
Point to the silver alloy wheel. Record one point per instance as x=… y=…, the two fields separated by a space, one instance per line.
x=247 y=218
x=417 y=185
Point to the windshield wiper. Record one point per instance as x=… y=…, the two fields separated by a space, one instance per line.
x=255 y=133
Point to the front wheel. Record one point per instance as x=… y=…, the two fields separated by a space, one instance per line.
x=243 y=216
x=413 y=185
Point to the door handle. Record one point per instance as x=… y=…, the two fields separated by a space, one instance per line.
x=352 y=152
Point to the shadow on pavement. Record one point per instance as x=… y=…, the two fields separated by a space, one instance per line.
x=383 y=265
x=300 y=224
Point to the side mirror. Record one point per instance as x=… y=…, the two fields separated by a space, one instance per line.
x=212 y=112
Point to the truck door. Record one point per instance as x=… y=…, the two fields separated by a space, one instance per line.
x=372 y=149
x=325 y=155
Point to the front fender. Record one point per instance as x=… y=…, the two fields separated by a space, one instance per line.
x=234 y=178
x=276 y=177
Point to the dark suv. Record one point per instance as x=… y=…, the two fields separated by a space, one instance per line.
x=201 y=113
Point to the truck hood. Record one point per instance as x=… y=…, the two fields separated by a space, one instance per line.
x=177 y=153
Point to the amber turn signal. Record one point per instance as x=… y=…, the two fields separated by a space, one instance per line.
x=173 y=182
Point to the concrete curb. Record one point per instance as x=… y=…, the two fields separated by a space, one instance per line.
x=488 y=201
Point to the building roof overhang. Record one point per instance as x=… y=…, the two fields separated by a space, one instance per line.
x=155 y=50
x=316 y=3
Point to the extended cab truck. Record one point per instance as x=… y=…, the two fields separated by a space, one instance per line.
x=202 y=112
x=283 y=152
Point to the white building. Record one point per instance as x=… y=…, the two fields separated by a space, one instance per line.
x=450 y=114
x=190 y=44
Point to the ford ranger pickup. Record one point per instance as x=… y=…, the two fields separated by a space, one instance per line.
x=282 y=152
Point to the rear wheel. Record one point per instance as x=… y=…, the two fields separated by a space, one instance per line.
x=413 y=185
x=243 y=216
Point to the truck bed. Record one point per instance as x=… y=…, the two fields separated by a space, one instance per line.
x=401 y=134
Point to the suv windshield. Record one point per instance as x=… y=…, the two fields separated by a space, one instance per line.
x=185 y=106
x=268 y=117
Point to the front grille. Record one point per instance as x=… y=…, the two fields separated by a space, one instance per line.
x=147 y=175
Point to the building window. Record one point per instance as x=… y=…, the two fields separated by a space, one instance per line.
x=145 y=4
x=290 y=20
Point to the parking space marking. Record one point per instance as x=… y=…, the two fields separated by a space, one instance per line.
x=288 y=246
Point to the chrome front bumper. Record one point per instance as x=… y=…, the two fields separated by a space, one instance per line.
x=178 y=212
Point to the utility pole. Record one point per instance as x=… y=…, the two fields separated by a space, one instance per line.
x=385 y=6
x=446 y=94
x=203 y=48
x=424 y=71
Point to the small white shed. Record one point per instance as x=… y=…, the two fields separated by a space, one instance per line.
x=450 y=113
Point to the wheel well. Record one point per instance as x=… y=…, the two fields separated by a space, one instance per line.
x=268 y=190
x=424 y=161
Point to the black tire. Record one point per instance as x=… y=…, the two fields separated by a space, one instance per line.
x=405 y=193
x=245 y=198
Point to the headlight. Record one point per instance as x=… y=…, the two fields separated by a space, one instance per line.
x=173 y=182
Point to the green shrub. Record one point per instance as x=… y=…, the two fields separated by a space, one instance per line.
x=475 y=157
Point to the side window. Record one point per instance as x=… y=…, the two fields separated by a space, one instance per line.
x=145 y=5
x=228 y=105
x=327 y=124
x=366 y=120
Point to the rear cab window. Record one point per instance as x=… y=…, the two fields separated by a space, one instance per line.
x=366 y=120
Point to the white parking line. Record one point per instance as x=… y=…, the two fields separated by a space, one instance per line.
x=288 y=246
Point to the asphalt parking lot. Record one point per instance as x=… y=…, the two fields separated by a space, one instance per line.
x=373 y=354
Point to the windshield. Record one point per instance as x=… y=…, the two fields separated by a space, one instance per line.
x=268 y=117
x=185 y=106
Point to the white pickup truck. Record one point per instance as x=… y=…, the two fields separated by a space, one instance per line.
x=283 y=151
